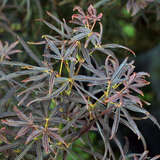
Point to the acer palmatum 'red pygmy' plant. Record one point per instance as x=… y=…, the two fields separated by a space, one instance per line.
x=69 y=94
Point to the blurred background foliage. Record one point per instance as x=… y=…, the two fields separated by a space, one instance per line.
x=139 y=31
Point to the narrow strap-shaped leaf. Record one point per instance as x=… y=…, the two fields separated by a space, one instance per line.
x=69 y=124
x=13 y=45
x=4 y=139
x=27 y=148
x=22 y=132
x=125 y=147
x=60 y=80
x=94 y=40
x=121 y=69
x=118 y=46
x=87 y=78
x=72 y=68
x=39 y=150
x=131 y=122
x=67 y=28
x=101 y=31
x=119 y=146
x=45 y=142
x=108 y=52
x=144 y=155
x=17 y=74
x=115 y=123
x=88 y=93
x=57 y=120
x=133 y=125
x=55 y=29
x=52 y=56
x=152 y=118
x=7 y=114
x=49 y=96
x=20 y=115
x=53 y=47
x=156 y=157
x=52 y=38
x=83 y=97
x=134 y=99
x=51 y=82
x=111 y=153
x=14 y=51
x=29 y=51
x=93 y=70
x=9 y=146
x=34 y=134
x=104 y=140
x=70 y=50
x=111 y=64
x=14 y=63
x=58 y=91
x=133 y=155
x=79 y=37
x=36 y=86
x=57 y=137
x=126 y=123
x=70 y=59
x=86 y=55
x=54 y=17
x=24 y=65
x=36 y=78
x=82 y=30
x=135 y=108
x=13 y=123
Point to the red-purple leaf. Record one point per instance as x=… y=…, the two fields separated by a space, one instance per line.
x=34 y=134
x=45 y=142
x=22 y=132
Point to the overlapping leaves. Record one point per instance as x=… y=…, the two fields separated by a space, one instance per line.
x=83 y=94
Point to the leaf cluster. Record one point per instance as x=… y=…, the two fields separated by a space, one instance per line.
x=70 y=94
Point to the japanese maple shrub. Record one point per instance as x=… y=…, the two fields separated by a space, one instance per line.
x=70 y=94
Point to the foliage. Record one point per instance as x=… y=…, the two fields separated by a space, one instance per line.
x=135 y=6
x=70 y=94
